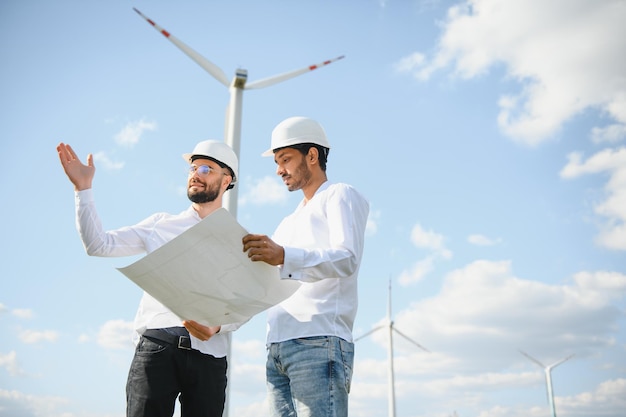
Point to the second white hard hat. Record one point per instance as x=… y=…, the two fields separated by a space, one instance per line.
x=296 y=130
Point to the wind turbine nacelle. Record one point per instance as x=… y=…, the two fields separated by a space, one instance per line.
x=241 y=76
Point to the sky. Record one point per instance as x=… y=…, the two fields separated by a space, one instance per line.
x=488 y=135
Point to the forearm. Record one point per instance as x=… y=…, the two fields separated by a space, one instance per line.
x=312 y=265
x=96 y=241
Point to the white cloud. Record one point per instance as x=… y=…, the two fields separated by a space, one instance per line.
x=608 y=397
x=116 y=334
x=128 y=137
x=613 y=162
x=474 y=328
x=429 y=240
x=609 y=284
x=372 y=223
x=566 y=55
x=264 y=191
x=518 y=411
x=9 y=362
x=130 y=134
x=108 y=163
x=15 y=403
x=33 y=336
x=255 y=409
x=481 y=240
x=249 y=349
x=23 y=313
x=605 y=160
x=410 y=63
x=424 y=239
x=417 y=272
x=607 y=400
x=483 y=310
x=610 y=134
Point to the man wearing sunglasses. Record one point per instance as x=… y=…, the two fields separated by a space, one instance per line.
x=168 y=361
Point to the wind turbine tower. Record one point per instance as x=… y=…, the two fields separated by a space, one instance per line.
x=390 y=328
x=548 y=372
x=232 y=130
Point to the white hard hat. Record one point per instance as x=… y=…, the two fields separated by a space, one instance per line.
x=295 y=130
x=217 y=151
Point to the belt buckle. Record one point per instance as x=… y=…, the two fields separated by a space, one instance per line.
x=182 y=344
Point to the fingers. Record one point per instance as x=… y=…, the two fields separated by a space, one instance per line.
x=262 y=248
x=64 y=155
x=251 y=241
x=200 y=331
x=67 y=154
x=251 y=238
x=192 y=328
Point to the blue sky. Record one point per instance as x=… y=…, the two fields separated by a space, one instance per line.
x=488 y=136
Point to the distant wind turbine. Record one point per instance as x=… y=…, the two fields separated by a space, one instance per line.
x=389 y=325
x=232 y=130
x=548 y=372
x=236 y=86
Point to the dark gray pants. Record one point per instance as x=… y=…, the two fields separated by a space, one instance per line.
x=160 y=372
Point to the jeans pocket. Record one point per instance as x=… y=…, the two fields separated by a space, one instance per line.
x=347 y=357
x=147 y=347
x=320 y=341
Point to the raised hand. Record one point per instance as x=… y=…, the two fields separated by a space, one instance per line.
x=80 y=175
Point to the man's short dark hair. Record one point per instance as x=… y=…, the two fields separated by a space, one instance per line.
x=321 y=151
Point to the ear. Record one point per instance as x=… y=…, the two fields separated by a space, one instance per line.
x=312 y=156
x=226 y=179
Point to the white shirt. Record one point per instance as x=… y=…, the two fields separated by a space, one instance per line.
x=323 y=241
x=144 y=237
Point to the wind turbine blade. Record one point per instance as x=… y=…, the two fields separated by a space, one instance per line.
x=532 y=359
x=411 y=340
x=369 y=333
x=557 y=363
x=265 y=82
x=208 y=66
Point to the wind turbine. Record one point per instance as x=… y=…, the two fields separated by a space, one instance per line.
x=232 y=130
x=548 y=372
x=389 y=326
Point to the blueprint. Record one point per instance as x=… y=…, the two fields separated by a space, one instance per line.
x=204 y=275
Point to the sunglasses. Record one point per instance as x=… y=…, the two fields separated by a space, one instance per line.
x=202 y=170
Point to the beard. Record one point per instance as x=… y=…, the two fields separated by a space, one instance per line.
x=206 y=196
x=300 y=177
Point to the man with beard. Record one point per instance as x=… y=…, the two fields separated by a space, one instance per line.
x=168 y=361
x=309 y=336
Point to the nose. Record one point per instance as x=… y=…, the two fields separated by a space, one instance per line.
x=279 y=170
x=194 y=176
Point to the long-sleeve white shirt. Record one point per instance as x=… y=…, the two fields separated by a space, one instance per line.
x=144 y=237
x=323 y=241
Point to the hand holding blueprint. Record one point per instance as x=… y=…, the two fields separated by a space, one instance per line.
x=204 y=275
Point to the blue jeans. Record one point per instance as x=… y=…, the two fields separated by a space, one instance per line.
x=160 y=372
x=309 y=377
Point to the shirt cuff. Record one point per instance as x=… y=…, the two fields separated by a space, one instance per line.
x=83 y=197
x=292 y=265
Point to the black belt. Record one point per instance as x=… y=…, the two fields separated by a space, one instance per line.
x=181 y=342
